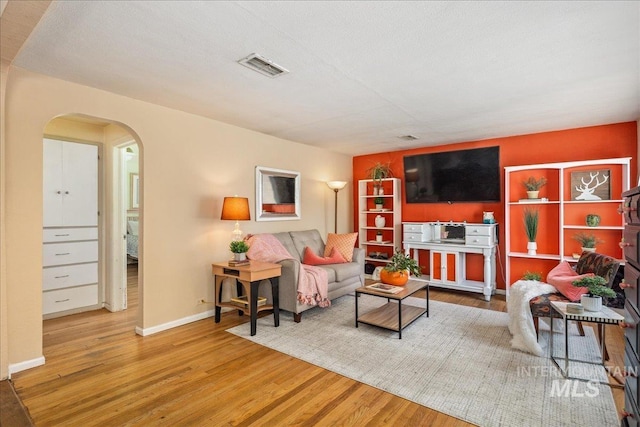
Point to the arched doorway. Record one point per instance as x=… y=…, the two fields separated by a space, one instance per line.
x=115 y=208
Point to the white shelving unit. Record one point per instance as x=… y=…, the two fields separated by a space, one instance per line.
x=391 y=212
x=561 y=217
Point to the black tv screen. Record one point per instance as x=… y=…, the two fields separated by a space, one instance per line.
x=453 y=176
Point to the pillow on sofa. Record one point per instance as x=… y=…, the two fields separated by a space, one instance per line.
x=562 y=276
x=310 y=257
x=343 y=243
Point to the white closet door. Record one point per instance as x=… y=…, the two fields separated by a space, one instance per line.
x=52 y=183
x=80 y=179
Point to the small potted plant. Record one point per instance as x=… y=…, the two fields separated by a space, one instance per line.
x=531 y=229
x=379 y=236
x=534 y=185
x=587 y=241
x=399 y=268
x=239 y=249
x=528 y=275
x=379 y=202
x=377 y=173
x=596 y=289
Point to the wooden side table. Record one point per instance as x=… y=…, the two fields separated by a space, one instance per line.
x=248 y=277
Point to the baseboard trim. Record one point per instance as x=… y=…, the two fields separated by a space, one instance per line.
x=27 y=364
x=174 y=323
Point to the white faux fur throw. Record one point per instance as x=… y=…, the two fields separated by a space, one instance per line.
x=520 y=317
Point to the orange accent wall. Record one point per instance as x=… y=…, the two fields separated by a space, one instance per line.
x=589 y=143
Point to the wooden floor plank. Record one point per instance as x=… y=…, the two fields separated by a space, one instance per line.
x=99 y=372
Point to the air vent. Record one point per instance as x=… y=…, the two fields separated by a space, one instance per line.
x=408 y=137
x=263 y=65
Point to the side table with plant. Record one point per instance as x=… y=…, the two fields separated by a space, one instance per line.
x=596 y=288
x=399 y=268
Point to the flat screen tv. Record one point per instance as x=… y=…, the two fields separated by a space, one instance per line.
x=453 y=176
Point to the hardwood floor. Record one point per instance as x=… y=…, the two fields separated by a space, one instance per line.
x=98 y=372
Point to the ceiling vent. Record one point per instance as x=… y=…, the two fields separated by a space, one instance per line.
x=263 y=65
x=408 y=137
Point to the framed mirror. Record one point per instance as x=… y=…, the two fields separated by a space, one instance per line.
x=277 y=194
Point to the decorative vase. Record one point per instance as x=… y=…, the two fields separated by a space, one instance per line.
x=487 y=218
x=240 y=256
x=593 y=220
x=380 y=191
x=588 y=249
x=531 y=248
x=395 y=278
x=591 y=303
x=533 y=194
x=380 y=221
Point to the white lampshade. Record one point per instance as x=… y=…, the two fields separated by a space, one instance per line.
x=336 y=185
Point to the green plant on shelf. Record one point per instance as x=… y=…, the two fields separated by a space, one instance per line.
x=531 y=217
x=533 y=184
x=587 y=240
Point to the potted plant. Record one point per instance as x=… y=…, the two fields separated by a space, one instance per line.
x=239 y=249
x=587 y=241
x=379 y=202
x=534 y=185
x=379 y=236
x=399 y=268
x=377 y=173
x=528 y=275
x=531 y=228
x=596 y=289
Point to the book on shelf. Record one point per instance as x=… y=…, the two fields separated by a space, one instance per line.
x=243 y=301
x=383 y=287
x=542 y=200
x=234 y=263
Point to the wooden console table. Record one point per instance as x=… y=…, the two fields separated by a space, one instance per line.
x=448 y=243
x=249 y=278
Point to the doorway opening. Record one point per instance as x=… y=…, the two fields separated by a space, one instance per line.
x=119 y=208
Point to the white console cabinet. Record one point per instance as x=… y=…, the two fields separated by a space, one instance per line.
x=448 y=244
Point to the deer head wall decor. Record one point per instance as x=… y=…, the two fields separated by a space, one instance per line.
x=588 y=188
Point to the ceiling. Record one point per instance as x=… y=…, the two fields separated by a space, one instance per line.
x=362 y=74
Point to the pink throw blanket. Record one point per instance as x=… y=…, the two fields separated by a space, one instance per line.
x=313 y=283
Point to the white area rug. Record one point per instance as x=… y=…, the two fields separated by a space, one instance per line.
x=457 y=361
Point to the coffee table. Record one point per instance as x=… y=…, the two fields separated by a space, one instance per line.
x=393 y=315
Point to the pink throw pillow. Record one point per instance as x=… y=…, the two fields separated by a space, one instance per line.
x=562 y=276
x=310 y=258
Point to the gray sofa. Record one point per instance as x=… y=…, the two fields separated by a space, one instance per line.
x=343 y=278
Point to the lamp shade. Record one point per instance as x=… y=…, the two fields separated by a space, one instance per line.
x=236 y=209
x=336 y=185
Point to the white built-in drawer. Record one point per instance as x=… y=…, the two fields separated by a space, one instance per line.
x=412 y=237
x=69 y=234
x=412 y=228
x=69 y=275
x=475 y=230
x=69 y=253
x=478 y=240
x=68 y=299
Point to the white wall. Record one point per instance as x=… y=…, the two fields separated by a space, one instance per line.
x=188 y=164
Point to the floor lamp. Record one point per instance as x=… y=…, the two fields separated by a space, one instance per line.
x=336 y=186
